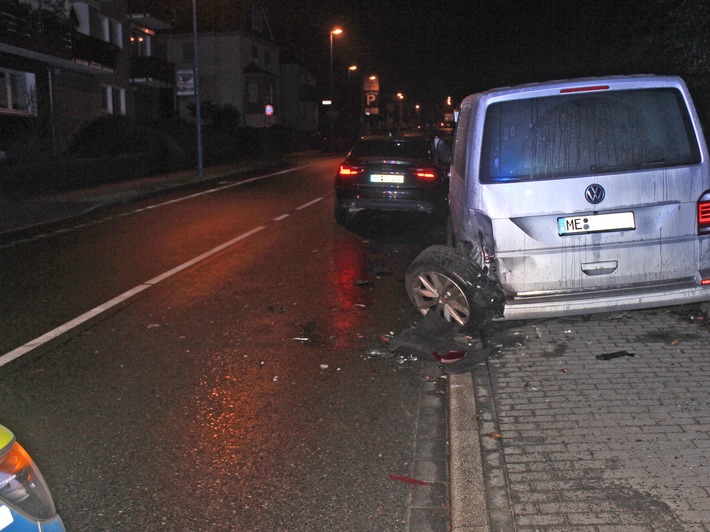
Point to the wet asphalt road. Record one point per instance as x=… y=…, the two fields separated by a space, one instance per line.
x=235 y=393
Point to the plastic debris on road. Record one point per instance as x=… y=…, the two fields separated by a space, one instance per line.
x=410 y=480
x=434 y=335
x=615 y=354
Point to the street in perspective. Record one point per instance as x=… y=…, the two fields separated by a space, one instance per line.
x=355 y=267
x=255 y=386
x=248 y=383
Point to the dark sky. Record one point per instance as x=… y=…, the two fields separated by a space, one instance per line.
x=431 y=49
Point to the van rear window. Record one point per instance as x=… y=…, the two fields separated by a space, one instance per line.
x=586 y=133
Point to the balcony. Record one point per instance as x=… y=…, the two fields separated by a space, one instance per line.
x=47 y=37
x=37 y=31
x=94 y=52
x=152 y=71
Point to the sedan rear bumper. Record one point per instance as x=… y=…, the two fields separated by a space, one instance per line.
x=358 y=199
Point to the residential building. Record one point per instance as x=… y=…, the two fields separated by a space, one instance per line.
x=239 y=69
x=152 y=76
x=64 y=63
x=299 y=95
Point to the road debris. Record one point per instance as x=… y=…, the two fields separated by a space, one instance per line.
x=451 y=357
x=615 y=354
x=410 y=480
x=434 y=336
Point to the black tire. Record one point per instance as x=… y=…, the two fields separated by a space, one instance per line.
x=342 y=216
x=443 y=280
x=450 y=240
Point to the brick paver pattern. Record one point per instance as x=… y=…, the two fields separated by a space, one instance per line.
x=572 y=442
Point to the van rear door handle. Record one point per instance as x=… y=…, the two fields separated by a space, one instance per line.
x=600 y=268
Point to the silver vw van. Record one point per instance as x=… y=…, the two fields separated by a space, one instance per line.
x=574 y=197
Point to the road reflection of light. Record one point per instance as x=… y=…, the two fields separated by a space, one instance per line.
x=349 y=267
x=229 y=404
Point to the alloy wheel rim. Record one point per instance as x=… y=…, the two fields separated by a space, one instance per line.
x=436 y=291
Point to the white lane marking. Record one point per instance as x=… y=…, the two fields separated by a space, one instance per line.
x=46 y=337
x=230 y=185
x=200 y=258
x=305 y=205
x=155 y=206
x=58 y=331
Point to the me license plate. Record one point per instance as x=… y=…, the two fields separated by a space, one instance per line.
x=596 y=223
x=387 y=178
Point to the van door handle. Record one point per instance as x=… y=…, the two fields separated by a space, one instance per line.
x=600 y=268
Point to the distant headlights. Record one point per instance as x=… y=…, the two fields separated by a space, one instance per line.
x=21 y=484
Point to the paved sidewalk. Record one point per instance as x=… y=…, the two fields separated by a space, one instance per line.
x=573 y=442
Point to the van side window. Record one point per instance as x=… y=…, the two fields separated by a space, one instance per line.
x=461 y=142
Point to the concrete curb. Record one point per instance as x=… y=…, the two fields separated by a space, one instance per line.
x=467 y=490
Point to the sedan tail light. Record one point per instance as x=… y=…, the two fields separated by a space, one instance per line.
x=427 y=174
x=348 y=172
x=704 y=214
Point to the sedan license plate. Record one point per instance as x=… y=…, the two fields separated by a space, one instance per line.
x=596 y=223
x=386 y=178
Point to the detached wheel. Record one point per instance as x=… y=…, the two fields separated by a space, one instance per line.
x=442 y=280
x=342 y=216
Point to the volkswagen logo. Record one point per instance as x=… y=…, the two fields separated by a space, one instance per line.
x=594 y=194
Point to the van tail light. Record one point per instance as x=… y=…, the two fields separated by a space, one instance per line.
x=349 y=172
x=704 y=214
x=426 y=174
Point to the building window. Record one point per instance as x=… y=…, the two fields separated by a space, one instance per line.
x=17 y=93
x=112 y=31
x=114 y=100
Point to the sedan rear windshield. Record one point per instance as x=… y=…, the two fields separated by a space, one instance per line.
x=591 y=133
x=391 y=149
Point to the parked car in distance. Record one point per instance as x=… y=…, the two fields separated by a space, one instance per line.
x=576 y=197
x=390 y=174
x=25 y=501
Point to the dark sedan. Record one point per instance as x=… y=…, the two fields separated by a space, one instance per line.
x=390 y=174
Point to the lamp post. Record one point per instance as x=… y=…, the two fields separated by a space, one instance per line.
x=196 y=74
x=334 y=31
x=400 y=97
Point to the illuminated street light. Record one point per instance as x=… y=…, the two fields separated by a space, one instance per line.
x=334 y=31
x=400 y=97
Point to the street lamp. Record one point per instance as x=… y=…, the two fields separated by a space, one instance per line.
x=334 y=31
x=351 y=69
x=196 y=74
x=400 y=97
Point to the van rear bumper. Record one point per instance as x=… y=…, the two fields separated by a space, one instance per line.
x=593 y=302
